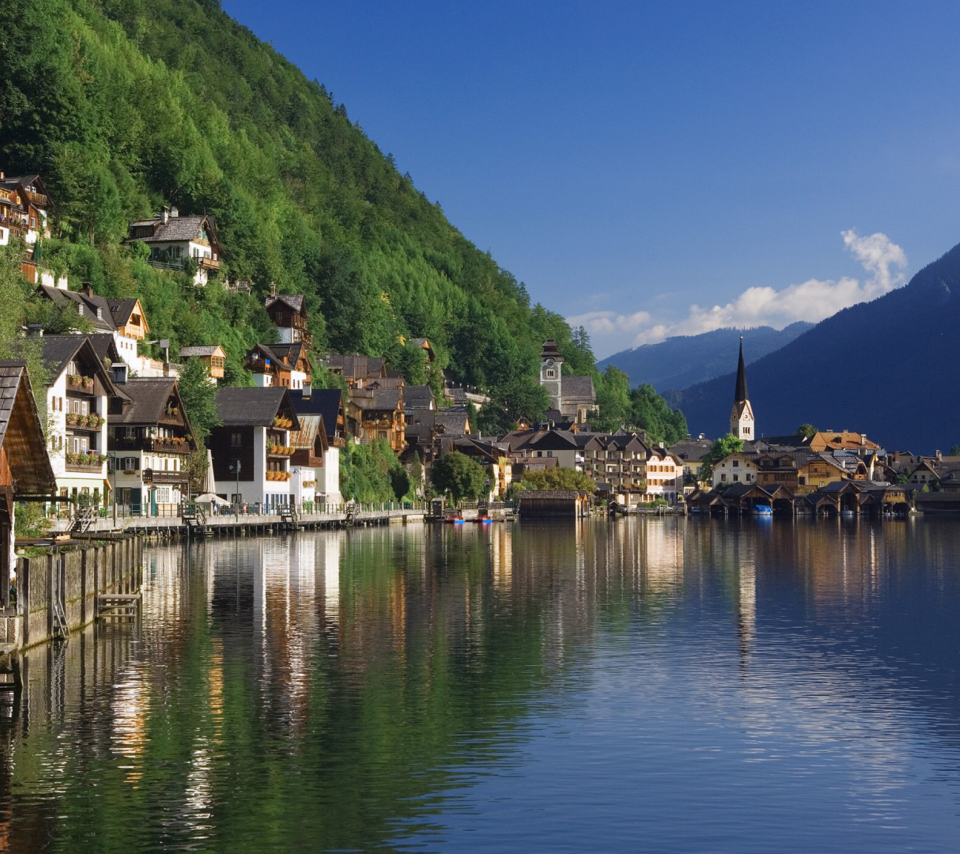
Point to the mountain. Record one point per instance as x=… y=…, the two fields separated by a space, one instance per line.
x=688 y=359
x=124 y=106
x=882 y=368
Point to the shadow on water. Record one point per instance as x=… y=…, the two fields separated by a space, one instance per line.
x=352 y=690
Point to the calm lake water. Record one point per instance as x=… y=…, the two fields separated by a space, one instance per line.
x=655 y=685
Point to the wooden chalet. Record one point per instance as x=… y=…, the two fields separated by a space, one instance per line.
x=25 y=469
x=25 y=208
x=174 y=240
x=288 y=312
x=150 y=439
x=377 y=414
x=285 y=365
x=212 y=355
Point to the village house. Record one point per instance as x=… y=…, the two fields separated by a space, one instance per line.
x=493 y=456
x=664 y=476
x=844 y=440
x=377 y=414
x=78 y=397
x=357 y=371
x=286 y=365
x=25 y=206
x=124 y=319
x=288 y=312
x=212 y=356
x=251 y=447
x=691 y=453
x=327 y=406
x=619 y=461
x=149 y=441
x=25 y=469
x=177 y=242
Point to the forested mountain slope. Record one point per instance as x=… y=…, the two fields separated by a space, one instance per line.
x=126 y=105
x=883 y=367
x=687 y=359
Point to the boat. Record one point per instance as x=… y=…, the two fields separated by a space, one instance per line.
x=762 y=509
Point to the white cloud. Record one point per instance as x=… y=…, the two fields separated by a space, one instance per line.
x=812 y=301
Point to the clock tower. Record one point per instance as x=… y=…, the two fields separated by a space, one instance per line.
x=550 y=376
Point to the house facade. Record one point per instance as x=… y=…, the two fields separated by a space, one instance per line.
x=212 y=356
x=326 y=404
x=25 y=206
x=289 y=314
x=251 y=448
x=176 y=242
x=77 y=409
x=149 y=442
x=286 y=365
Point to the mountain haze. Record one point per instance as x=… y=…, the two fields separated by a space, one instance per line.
x=885 y=368
x=688 y=359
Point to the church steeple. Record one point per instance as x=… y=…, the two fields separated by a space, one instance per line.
x=741 y=416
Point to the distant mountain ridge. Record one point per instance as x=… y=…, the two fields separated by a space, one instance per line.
x=688 y=359
x=883 y=368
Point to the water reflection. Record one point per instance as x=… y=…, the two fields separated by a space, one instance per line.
x=528 y=686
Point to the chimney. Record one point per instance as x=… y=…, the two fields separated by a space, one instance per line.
x=939 y=455
x=86 y=289
x=119 y=373
x=273 y=289
x=307 y=390
x=164 y=214
x=174 y=213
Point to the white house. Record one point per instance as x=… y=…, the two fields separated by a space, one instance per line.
x=176 y=240
x=251 y=448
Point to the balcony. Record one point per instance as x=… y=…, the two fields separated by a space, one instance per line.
x=89 y=463
x=278 y=451
x=81 y=384
x=174 y=478
x=92 y=422
x=208 y=264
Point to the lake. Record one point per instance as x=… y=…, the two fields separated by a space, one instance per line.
x=642 y=684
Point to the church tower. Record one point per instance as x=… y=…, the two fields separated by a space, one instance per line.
x=550 y=362
x=741 y=416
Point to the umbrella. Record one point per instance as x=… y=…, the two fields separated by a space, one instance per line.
x=210 y=498
x=209 y=485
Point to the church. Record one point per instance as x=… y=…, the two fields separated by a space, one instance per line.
x=571 y=398
x=741 y=415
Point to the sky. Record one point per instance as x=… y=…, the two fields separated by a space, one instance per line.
x=655 y=169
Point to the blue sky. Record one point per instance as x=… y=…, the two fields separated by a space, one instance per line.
x=629 y=161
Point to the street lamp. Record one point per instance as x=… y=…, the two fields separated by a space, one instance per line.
x=235 y=468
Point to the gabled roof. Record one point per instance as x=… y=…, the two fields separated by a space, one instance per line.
x=327 y=402
x=578 y=389
x=177 y=229
x=379 y=399
x=356 y=367
x=59 y=350
x=121 y=309
x=691 y=450
x=90 y=307
x=417 y=396
x=148 y=397
x=311 y=427
x=452 y=422
x=201 y=351
x=283 y=354
x=21 y=433
x=105 y=346
x=254 y=407
x=555 y=440
x=295 y=302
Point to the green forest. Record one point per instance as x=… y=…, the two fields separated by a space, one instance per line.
x=124 y=106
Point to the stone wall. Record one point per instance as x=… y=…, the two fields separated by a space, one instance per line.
x=75 y=576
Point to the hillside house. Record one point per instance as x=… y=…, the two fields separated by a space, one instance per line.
x=251 y=448
x=149 y=440
x=357 y=371
x=124 y=319
x=285 y=365
x=25 y=207
x=25 y=468
x=78 y=397
x=289 y=314
x=178 y=241
x=377 y=414
x=327 y=405
x=212 y=356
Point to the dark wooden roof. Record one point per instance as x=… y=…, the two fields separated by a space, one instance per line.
x=327 y=402
x=295 y=302
x=254 y=407
x=58 y=350
x=148 y=398
x=21 y=433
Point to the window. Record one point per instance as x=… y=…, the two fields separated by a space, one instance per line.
x=236 y=440
x=723 y=477
x=736 y=478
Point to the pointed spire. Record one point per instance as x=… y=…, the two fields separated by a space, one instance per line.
x=741 y=392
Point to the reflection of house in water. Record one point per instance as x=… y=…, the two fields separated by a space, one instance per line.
x=501 y=556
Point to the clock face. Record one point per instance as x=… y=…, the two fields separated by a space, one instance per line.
x=550 y=363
